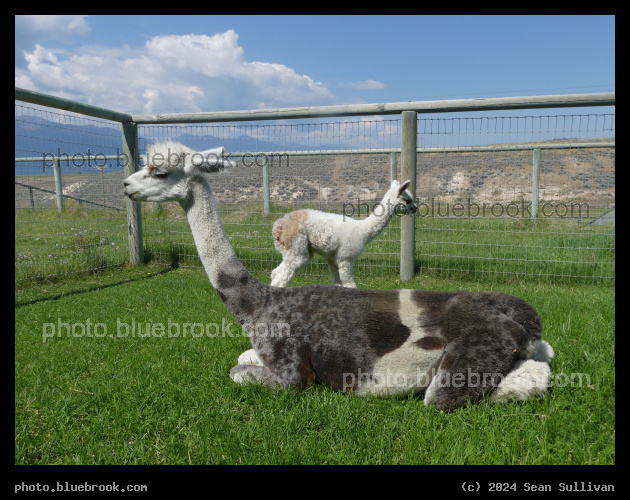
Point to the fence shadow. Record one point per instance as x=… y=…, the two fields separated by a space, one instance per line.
x=84 y=288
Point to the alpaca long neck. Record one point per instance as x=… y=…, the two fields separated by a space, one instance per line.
x=226 y=272
x=379 y=218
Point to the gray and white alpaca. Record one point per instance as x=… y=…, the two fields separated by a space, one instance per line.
x=299 y=235
x=453 y=346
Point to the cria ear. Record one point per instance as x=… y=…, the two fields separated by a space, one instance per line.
x=211 y=160
x=394 y=184
x=403 y=186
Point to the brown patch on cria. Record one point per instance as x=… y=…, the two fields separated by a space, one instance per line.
x=286 y=228
x=430 y=343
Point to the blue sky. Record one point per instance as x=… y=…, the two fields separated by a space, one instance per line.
x=160 y=64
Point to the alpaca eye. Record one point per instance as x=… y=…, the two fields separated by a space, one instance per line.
x=161 y=175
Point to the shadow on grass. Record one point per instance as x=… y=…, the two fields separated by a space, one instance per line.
x=82 y=287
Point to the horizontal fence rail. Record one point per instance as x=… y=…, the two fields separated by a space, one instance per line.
x=500 y=197
x=443 y=106
x=450 y=106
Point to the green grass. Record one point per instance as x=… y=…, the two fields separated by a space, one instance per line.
x=114 y=399
x=48 y=243
x=507 y=250
x=501 y=249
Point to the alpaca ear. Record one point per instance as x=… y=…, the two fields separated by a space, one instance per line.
x=403 y=186
x=394 y=184
x=211 y=160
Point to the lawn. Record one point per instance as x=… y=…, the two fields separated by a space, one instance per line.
x=102 y=376
x=50 y=244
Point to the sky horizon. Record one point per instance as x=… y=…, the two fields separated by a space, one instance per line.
x=171 y=64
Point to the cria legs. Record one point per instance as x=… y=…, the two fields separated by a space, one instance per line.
x=293 y=260
x=342 y=272
x=296 y=257
x=346 y=273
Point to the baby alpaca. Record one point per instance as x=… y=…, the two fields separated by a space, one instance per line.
x=338 y=238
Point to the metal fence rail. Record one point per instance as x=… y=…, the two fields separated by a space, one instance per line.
x=507 y=197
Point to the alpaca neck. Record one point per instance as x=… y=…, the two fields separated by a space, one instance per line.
x=225 y=271
x=379 y=218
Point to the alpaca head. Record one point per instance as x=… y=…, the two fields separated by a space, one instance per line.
x=169 y=168
x=400 y=197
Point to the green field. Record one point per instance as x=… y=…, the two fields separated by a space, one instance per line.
x=122 y=396
x=49 y=244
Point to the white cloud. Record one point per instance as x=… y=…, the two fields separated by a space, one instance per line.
x=367 y=85
x=170 y=73
x=31 y=30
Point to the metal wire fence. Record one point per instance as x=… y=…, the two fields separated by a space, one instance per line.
x=69 y=211
x=510 y=197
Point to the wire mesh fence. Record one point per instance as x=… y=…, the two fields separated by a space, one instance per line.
x=517 y=197
x=315 y=178
x=69 y=209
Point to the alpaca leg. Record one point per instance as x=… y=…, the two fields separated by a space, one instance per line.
x=543 y=352
x=278 y=270
x=249 y=358
x=286 y=272
x=334 y=271
x=528 y=378
x=468 y=371
x=346 y=273
x=293 y=373
x=293 y=260
x=256 y=374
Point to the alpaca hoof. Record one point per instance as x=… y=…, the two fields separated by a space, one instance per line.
x=543 y=352
x=528 y=378
x=249 y=358
x=241 y=375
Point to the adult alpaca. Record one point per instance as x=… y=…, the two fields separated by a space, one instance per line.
x=453 y=346
x=338 y=238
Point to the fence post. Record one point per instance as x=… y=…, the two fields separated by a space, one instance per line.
x=535 y=181
x=408 y=156
x=30 y=197
x=58 y=184
x=393 y=168
x=134 y=213
x=266 y=190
